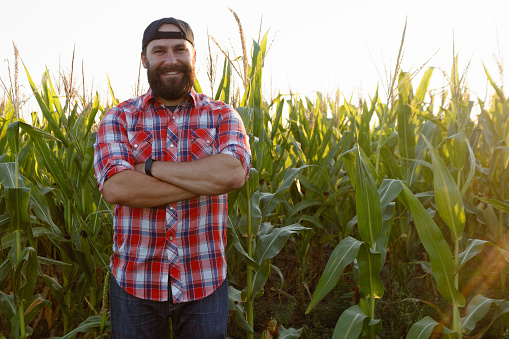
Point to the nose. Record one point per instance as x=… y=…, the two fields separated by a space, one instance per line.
x=171 y=58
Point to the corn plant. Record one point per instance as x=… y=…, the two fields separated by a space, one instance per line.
x=391 y=185
x=253 y=237
x=410 y=125
x=58 y=213
x=374 y=214
x=452 y=196
x=446 y=266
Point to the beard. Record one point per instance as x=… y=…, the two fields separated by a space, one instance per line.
x=173 y=89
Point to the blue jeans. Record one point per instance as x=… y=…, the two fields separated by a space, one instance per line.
x=137 y=318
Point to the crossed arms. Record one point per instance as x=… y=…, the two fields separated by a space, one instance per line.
x=174 y=181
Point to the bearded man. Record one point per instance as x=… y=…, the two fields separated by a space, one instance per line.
x=166 y=160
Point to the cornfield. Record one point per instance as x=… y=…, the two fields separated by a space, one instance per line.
x=392 y=214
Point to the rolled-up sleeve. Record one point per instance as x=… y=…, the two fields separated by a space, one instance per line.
x=233 y=139
x=112 y=152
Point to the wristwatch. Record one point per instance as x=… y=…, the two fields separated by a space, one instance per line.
x=148 y=167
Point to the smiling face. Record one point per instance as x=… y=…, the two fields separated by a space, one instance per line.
x=170 y=67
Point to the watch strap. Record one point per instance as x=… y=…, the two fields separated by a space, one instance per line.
x=148 y=167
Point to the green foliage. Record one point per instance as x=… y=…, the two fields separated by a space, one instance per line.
x=384 y=186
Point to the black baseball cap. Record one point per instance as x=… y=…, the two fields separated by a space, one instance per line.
x=152 y=33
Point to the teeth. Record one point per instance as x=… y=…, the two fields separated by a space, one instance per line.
x=171 y=73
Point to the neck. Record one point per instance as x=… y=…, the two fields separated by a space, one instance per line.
x=172 y=102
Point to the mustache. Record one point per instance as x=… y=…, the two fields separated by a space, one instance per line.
x=172 y=68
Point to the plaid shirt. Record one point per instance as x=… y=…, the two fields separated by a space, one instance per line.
x=185 y=240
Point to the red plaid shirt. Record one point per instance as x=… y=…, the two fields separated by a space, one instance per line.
x=185 y=240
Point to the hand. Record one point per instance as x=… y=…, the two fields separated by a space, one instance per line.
x=140 y=167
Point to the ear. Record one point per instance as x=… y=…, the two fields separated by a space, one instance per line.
x=144 y=61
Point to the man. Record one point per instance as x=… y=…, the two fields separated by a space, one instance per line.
x=166 y=160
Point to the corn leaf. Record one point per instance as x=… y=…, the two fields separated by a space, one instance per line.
x=364 y=129
x=424 y=328
x=25 y=272
x=499 y=205
x=42 y=211
x=390 y=163
x=46 y=111
x=7 y=305
x=383 y=238
x=388 y=191
x=447 y=195
x=34 y=306
x=269 y=245
x=457 y=149
x=436 y=246
x=47 y=261
x=350 y=324
x=489 y=132
x=8 y=175
x=474 y=247
x=54 y=166
x=238 y=245
x=270 y=201
x=471 y=167
x=234 y=304
x=34 y=132
x=405 y=127
x=17 y=201
x=256 y=214
x=114 y=99
x=289 y=333
x=369 y=210
x=57 y=292
x=427 y=130
x=220 y=94
x=499 y=91
x=9 y=240
x=259 y=280
x=91 y=324
x=246 y=113
x=4 y=219
x=349 y=161
x=88 y=161
x=302 y=206
x=343 y=255
x=370 y=266
x=13 y=137
x=276 y=122
x=91 y=115
x=423 y=87
x=476 y=310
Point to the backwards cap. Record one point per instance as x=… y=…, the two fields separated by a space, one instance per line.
x=152 y=33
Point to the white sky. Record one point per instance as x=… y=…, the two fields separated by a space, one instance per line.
x=319 y=45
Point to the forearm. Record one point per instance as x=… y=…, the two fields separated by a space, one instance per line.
x=213 y=175
x=134 y=189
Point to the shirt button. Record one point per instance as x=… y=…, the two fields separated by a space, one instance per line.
x=208 y=141
x=135 y=145
x=171 y=238
x=171 y=146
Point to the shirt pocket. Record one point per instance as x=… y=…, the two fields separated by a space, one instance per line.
x=202 y=144
x=141 y=145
